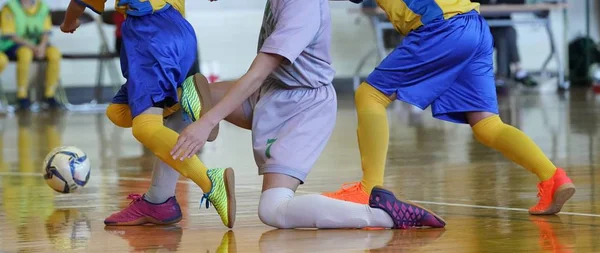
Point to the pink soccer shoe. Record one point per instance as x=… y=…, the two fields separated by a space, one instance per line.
x=404 y=213
x=140 y=212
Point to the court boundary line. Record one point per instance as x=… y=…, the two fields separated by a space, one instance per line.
x=189 y=182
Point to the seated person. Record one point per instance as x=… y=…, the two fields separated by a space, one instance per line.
x=25 y=27
x=507 y=51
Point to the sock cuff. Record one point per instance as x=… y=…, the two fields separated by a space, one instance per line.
x=367 y=92
x=487 y=122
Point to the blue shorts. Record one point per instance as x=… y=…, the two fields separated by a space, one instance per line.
x=157 y=54
x=446 y=64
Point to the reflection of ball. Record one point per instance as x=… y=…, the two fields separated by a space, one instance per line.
x=66 y=169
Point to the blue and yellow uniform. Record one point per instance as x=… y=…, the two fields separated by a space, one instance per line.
x=444 y=61
x=159 y=48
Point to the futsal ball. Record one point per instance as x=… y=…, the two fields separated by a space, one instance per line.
x=66 y=169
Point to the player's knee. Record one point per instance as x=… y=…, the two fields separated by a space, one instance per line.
x=53 y=54
x=486 y=130
x=120 y=115
x=271 y=208
x=3 y=61
x=24 y=54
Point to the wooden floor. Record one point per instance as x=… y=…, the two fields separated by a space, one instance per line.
x=483 y=196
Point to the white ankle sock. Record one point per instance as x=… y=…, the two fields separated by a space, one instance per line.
x=164 y=178
x=279 y=208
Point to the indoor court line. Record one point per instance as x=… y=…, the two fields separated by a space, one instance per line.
x=30 y=174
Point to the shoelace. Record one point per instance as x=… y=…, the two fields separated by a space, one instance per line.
x=347 y=187
x=541 y=194
x=205 y=197
x=135 y=197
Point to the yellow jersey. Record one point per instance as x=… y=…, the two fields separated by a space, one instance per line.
x=7 y=19
x=408 y=15
x=125 y=5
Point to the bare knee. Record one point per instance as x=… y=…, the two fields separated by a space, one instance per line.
x=120 y=115
x=474 y=117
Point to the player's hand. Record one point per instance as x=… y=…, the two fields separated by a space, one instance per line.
x=40 y=51
x=70 y=28
x=191 y=140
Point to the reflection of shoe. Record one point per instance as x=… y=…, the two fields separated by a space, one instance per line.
x=149 y=237
x=553 y=193
x=403 y=213
x=352 y=192
x=222 y=194
x=228 y=244
x=549 y=239
x=410 y=240
x=67 y=229
x=140 y=212
x=196 y=100
x=324 y=240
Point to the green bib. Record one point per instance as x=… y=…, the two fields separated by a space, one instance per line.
x=29 y=27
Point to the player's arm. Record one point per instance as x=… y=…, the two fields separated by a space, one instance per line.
x=249 y=83
x=76 y=9
x=297 y=24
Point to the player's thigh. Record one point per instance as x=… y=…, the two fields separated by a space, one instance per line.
x=291 y=128
x=474 y=91
x=238 y=117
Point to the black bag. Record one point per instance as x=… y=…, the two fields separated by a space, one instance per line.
x=583 y=52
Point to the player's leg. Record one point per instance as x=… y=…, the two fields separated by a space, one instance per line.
x=3 y=61
x=472 y=99
x=24 y=57
x=158 y=205
x=399 y=76
x=52 y=74
x=286 y=146
x=147 y=113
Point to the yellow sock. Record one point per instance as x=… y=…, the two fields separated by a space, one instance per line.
x=150 y=131
x=53 y=71
x=3 y=61
x=373 y=134
x=514 y=145
x=24 y=58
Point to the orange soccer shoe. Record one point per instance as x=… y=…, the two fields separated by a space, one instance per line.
x=351 y=192
x=553 y=193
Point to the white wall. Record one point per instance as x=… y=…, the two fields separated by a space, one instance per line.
x=227 y=32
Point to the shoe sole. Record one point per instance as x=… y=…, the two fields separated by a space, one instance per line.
x=562 y=195
x=229 y=179
x=417 y=205
x=143 y=221
x=203 y=91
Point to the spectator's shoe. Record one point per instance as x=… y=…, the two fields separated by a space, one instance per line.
x=553 y=193
x=52 y=103
x=24 y=103
x=196 y=100
x=525 y=79
x=403 y=213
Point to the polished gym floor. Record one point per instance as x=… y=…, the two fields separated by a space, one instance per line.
x=483 y=197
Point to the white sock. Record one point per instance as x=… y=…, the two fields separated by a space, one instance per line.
x=164 y=178
x=279 y=208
